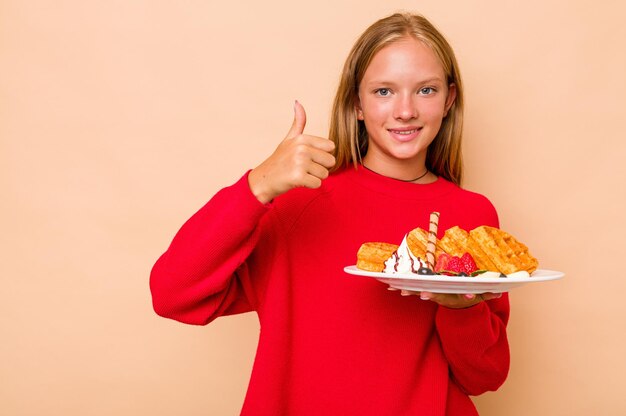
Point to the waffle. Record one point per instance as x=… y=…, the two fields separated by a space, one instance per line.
x=457 y=241
x=372 y=256
x=417 y=240
x=508 y=254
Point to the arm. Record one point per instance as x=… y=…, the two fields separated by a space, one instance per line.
x=475 y=343
x=202 y=274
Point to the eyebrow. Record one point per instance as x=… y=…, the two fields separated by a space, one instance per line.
x=425 y=81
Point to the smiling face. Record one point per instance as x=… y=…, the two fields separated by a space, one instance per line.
x=403 y=98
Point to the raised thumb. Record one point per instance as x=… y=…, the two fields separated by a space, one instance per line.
x=299 y=120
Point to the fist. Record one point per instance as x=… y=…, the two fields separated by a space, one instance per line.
x=299 y=160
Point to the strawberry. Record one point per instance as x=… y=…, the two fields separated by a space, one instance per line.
x=468 y=265
x=453 y=265
x=442 y=262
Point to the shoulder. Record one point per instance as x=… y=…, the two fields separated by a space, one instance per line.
x=474 y=208
x=475 y=199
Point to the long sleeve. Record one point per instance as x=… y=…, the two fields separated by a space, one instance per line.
x=475 y=344
x=202 y=275
x=474 y=339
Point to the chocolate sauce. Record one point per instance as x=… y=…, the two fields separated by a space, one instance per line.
x=396 y=261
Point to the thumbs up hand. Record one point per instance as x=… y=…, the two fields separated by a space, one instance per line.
x=299 y=160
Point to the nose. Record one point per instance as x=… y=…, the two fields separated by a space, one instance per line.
x=405 y=107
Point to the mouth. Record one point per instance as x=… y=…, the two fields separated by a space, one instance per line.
x=405 y=134
x=405 y=131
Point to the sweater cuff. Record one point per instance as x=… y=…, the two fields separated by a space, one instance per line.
x=471 y=325
x=236 y=198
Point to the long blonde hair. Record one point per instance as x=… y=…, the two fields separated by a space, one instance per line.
x=444 y=156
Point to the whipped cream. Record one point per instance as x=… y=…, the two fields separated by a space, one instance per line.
x=489 y=274
x=521 y=273
x=403 y=261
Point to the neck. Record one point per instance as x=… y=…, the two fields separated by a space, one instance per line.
x=403 y=170
x=414 y=180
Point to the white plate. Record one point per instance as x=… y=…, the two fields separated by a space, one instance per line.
x=455 y=284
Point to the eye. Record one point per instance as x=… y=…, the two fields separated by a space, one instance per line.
x=427 y=90
x=383 y=92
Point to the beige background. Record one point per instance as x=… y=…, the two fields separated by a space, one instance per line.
x=119 y=119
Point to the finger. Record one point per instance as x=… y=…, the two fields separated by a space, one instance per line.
x=490 y=296
x=316 y=142
x=426 y=295
x=323 y=158
x=312 y=182
x=316 y=170
x=299 y=121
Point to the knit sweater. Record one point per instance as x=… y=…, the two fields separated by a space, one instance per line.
x=331 y=343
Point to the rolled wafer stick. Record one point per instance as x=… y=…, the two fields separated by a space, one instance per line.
x=432 y=240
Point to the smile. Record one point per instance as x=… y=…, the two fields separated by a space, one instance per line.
x=404 y=132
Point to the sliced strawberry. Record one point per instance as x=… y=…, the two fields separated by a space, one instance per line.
x=468 y=265
x=442 y=262
x=455 y=264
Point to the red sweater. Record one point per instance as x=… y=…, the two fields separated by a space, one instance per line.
x=332 y=343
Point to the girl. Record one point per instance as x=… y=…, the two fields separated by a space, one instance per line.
x=276 y=243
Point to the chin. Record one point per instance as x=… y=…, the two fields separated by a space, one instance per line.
x=407 y=155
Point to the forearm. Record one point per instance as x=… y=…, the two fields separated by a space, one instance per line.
x=193 y=281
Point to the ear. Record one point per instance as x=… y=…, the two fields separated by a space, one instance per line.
x=450 y=99
x=357 y=108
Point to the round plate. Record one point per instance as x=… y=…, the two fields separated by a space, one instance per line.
x=455 y=284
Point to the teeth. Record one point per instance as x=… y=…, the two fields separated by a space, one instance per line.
x=406 y=132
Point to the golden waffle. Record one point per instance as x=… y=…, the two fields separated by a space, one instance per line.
x=372 y=256
x=457 y=241
x=508 y=254
x=417 y=240
x=454 y=241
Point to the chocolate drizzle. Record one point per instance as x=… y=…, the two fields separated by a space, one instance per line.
x=396 y=260
x=401 y=264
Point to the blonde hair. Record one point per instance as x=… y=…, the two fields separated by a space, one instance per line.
x=444 y=156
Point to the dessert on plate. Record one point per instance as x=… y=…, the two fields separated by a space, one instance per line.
x=483 y=251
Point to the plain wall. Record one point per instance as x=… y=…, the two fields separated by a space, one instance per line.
x=119 y=119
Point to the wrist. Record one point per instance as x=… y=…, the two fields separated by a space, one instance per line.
x=258 y=186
